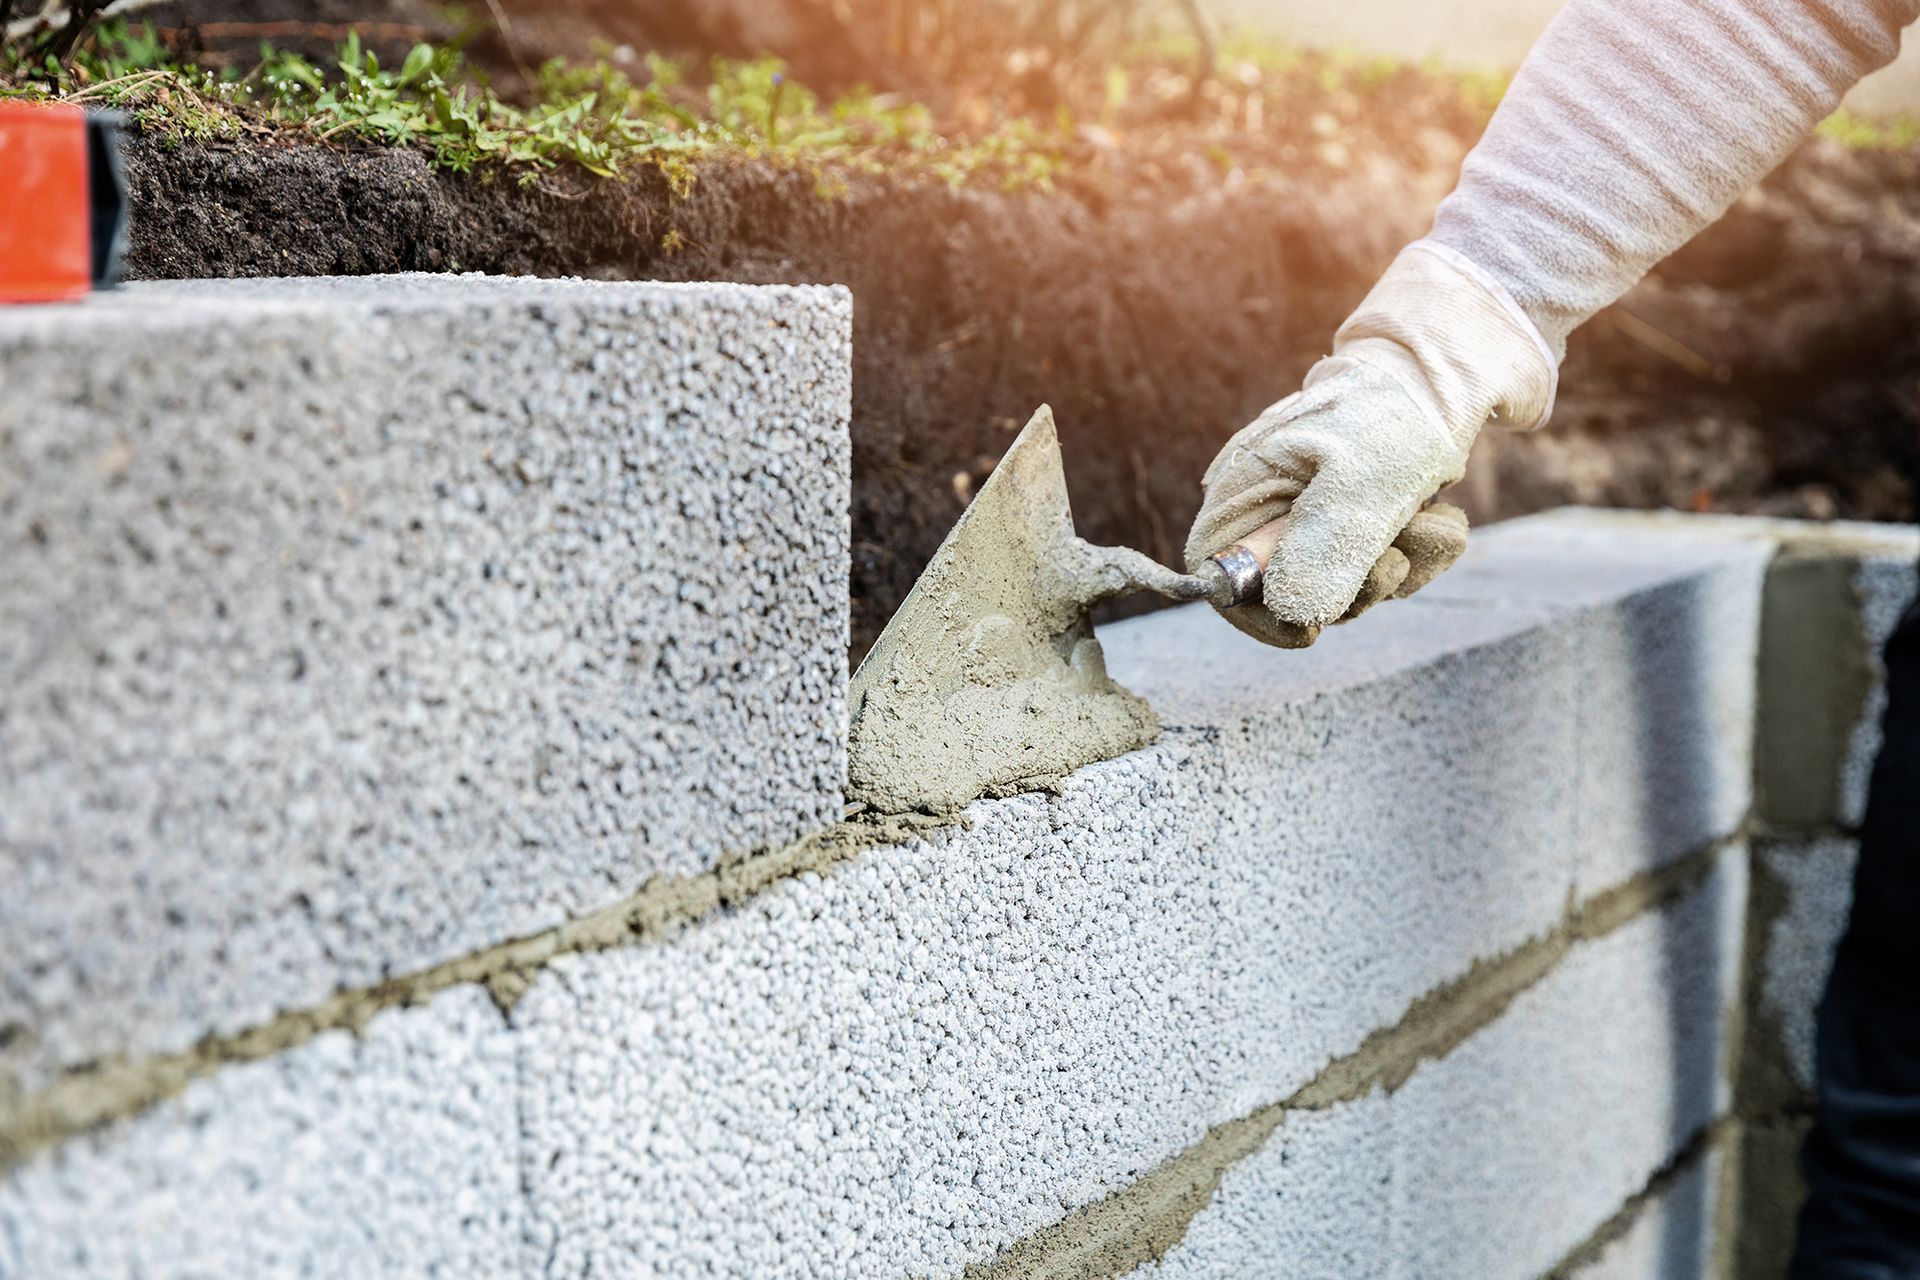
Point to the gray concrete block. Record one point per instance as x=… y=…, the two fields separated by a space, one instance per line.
x=1419 y=756
x=1202 y=675
x=1605 y=1071
x=1672 y=1235
x=895 y=1068
x=351 y=626
x=1505 y=1155
x=1811 y=889
x=978 y=1032
x=1662 y=627
x=1861 y=538
x=389 y=1154
x=1613 y=671
x=1317 y=1200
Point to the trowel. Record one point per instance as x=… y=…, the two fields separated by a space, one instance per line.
x=988 y=680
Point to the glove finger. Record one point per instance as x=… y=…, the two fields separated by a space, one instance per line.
x=1369 y=468
x=1245 y=488
x=1381 y=582
x=1432 y=541
x=1254 y=620
x=1334 y=536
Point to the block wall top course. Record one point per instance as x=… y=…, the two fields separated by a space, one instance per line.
x=1619 y=662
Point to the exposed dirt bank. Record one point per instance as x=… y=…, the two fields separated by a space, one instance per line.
x=1770 y=366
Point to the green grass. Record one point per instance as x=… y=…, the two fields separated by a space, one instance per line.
x=593 y=116
x=1867 y=134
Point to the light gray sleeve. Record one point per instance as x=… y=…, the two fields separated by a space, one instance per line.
x=1634 y=123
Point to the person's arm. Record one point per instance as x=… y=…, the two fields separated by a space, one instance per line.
x=1630 y=126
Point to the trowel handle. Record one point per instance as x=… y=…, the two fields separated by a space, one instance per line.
x=1244 y=564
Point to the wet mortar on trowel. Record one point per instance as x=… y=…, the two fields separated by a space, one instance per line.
x=989 y=679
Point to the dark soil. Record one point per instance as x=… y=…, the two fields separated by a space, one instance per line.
x=1770 y=366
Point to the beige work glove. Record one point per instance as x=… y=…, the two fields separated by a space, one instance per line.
x=1354 y=459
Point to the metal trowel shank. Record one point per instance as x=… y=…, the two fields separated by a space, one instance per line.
x=989 y=679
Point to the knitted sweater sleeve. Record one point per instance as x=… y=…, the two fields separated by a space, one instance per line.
x=1634 y=123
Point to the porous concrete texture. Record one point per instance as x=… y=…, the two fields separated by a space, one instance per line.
x=1814 y=880
x=918 y=1058
x=1833 y=595
x=353 y=625
x=1662 y=628
x=1672 y=1233
x=1502 y=1157
x=392 y=1153
x=1624 y=662
x=913 y=1061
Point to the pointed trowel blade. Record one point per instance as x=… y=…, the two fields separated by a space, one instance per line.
x=988 y=678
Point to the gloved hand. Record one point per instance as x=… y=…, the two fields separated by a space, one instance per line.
x=1630 y=126
x=1354 y=459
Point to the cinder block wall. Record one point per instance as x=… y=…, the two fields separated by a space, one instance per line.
x=421 y=711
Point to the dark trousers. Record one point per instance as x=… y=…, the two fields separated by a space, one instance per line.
x=1862 y=1158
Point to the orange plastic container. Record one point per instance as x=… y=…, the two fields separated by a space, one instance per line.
x=46 y=240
